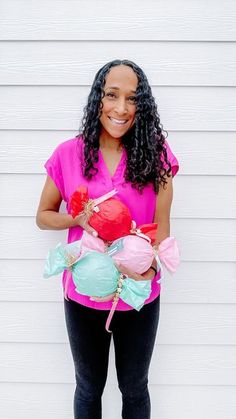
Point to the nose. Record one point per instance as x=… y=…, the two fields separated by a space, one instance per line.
x=121 y=107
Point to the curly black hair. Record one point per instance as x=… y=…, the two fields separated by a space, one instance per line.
x=144 y=141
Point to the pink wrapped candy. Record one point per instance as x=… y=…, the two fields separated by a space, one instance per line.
x=134 y=252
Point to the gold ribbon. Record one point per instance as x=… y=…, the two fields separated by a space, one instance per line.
x=88 y=208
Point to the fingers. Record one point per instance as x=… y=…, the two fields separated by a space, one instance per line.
x=90 y=230
x=103 y=299
x=128 y=272
x=121 y=268
x=83 y=222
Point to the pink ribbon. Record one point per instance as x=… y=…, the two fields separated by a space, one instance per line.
x=112 y=311
x=103 y=198
x=138 y=232
x=115 y=301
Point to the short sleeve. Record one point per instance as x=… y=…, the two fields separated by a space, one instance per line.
x=172 y=159
x=54 y=170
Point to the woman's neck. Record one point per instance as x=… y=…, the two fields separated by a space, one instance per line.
x=109 y=143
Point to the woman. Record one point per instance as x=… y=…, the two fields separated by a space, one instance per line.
x=121 y=145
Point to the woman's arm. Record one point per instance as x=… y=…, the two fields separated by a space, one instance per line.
x=162 y=213
x=48 y=216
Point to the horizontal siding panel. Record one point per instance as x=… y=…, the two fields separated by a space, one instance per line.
x=168 y=402
x=192 y=192
x=190 y=196
x=165 y=20
x=194 y=282
x=60 y=107
x=75 y=63
x=42 y=98
x=171 y=364
x=199 y=239
x=199 y=153
x=201 y=282
x=195 y=324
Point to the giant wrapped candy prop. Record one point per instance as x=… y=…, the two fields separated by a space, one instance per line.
x=95 y=274
x=108 y=216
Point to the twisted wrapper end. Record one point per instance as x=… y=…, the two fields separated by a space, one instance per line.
x=167 y=255
x=62 y=258
x=70 y=260
x=88 y=209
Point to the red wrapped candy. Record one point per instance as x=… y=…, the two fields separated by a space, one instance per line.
x=108 y=216
x=147 y=231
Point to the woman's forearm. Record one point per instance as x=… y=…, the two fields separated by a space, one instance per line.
x=53 y=220
x=163 y=230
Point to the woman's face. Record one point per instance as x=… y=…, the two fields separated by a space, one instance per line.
x=119 y=107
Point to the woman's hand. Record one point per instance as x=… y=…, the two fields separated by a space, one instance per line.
x=82 y=221
x=103 y=299
x=148 y=275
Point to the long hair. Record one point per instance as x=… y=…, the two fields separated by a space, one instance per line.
x=144 y=141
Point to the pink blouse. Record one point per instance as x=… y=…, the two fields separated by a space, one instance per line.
x=65 y=169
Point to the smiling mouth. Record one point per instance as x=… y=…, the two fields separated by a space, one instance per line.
x=118 y=121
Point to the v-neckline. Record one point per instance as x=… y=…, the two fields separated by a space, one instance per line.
x=117 y=167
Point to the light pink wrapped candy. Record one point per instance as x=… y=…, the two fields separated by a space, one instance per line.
x=135 y=253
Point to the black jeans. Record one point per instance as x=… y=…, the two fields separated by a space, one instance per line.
x=134 y=337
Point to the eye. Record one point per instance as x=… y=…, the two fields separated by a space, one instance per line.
x=110 y=95
x=132 y=99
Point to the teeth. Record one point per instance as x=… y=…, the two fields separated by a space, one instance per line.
x=118 y=121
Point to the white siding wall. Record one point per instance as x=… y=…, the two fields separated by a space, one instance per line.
x=49 y=52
